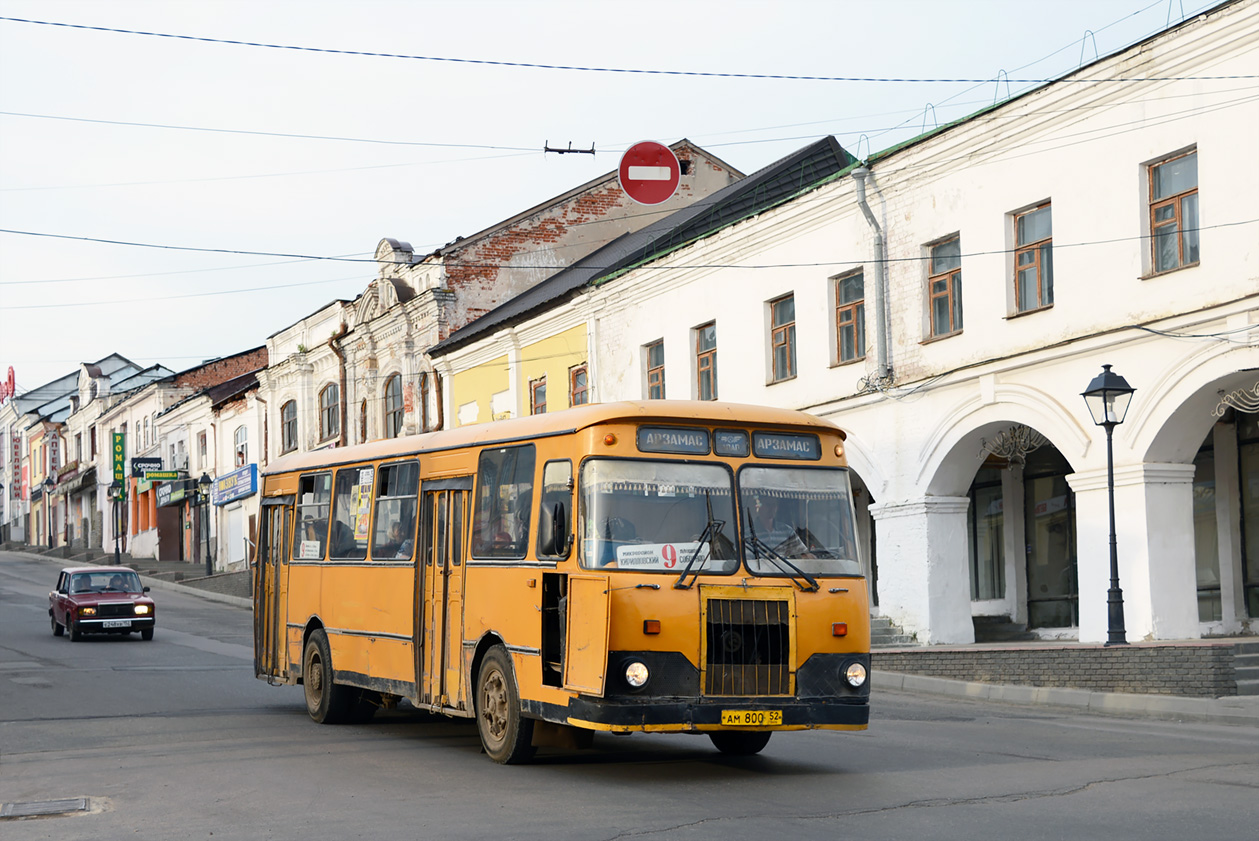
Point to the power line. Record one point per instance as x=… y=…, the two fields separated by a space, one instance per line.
x=593 y=69
x=829 y=264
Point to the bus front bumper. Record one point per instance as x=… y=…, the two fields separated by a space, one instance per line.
x=701 y=714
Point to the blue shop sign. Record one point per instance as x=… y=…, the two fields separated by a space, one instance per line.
x=235 y=485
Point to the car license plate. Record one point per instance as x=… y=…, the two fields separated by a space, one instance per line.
x=751 y=718
x=116 y=623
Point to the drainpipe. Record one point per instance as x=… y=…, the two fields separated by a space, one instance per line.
x=266 y=459
x=335 y=344
x=859 y=176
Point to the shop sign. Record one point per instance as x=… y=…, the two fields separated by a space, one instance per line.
x=54 y=453
x=120 y=449
x=236 y=485
x=8 y=388
x=140 y=466
x=171 y=492
x=160 y=475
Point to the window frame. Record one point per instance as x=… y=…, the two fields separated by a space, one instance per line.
x=782 y=335
x=537 y=407
x=655 y=373
x=288 y=427
x=857 y=322
x=393 y=413
x=1044 y=275
x=1176 y=200
x=952 y=278
x=240 y=446
x=573 y=391
x=329 y=411
x=705 y=362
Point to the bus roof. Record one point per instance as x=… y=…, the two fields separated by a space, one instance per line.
x=709 y=412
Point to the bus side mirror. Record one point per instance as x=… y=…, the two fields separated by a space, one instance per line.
x=553 y=536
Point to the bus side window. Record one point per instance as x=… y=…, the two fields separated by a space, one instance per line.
x=504 y=498
x=351 y=505
x=313 y=500
x=555 y=523
x=393 y=537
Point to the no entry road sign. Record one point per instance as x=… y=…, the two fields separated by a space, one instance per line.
x=650 y=172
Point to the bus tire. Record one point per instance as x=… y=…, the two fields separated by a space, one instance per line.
x=739 y=743
x=506 y=734
x=326 y=702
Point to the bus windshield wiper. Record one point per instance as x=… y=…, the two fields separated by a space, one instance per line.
x=762 y=550
x=711 y=529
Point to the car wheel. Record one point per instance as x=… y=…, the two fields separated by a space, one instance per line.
x=326 y=702
x=506 y=735
x=57 y=628
x=73 y=630
x=146 y=634
x=740 y=744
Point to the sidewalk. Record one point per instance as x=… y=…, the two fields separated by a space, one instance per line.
x=177 y=576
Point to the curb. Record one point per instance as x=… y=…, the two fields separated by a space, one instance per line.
x=208 y=595
x=1226 y=710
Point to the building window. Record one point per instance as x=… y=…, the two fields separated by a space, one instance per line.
x=1174 y=212
x=240 y=444
x=393 y=406
x=92 y=441
x=783 y=336
x=655 y=370
x=537 y=397
x=202 y=461
x=425 y=389
x=78 y=446
x=578 y=386
x=850 y=317
x=145 y=441
x=1033 y=259
x=945 y=285
x=329 y=411
x=362 y=421
x=288 y=426
x=706 y=361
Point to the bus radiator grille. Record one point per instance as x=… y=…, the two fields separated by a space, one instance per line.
x=747 y=648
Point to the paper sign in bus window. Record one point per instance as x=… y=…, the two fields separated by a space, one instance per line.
x=660 y=556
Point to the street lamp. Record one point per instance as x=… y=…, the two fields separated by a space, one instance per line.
x=48 y=486
x=115 y=493
x=203 y=493
x=1107 y=397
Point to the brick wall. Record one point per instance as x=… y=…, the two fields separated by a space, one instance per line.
x=1192 y=670
x=222 y=370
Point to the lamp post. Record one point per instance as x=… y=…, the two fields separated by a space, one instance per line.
x=203 y=493
x=48 y=486
x=1107 y=397
x=115 y=493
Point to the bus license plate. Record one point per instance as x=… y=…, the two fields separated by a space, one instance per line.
x=116 y=623
x=751 y=718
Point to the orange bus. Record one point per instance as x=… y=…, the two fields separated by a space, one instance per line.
x=663 y=566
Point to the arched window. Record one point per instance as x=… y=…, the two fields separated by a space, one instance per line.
x=241 y=441
x=288 y=426
x=393 y=406
x=362 y=421
x=329 y=411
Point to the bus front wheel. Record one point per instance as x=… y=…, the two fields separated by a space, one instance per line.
x=740 y=744
x=326 y=702
x=506 y=735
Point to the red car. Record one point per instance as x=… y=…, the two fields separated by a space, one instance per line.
x=100 y=600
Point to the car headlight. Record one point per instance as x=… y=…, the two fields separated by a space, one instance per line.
x=636 y=674
x=142 y=609
x=855 y=674
x=87 y=611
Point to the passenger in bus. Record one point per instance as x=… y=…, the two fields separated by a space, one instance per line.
x=776 y=529
x=400 y=536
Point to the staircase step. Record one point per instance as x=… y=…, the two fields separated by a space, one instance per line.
x=1245 y=673
x=1248 y=687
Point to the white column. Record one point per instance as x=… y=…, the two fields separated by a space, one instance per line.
x=1154 y=539
x=1015 y=543
x=924 y=570
x=1228 y=526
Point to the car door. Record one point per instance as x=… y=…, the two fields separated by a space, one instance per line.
x=59 y=598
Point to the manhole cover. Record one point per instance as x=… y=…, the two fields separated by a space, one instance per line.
x=43 y=807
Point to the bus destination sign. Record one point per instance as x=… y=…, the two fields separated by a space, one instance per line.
x=782 y=445
x=673 y=439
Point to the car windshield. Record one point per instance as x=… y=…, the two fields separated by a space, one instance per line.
x=657 y=516
x=797 y=520
x=105 y=582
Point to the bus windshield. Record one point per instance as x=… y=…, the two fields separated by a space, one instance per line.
x=797 y=520
x=650 y=516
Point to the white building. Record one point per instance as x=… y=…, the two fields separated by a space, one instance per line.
x=1105 y=218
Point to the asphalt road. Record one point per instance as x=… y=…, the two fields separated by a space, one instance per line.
x=175 y=739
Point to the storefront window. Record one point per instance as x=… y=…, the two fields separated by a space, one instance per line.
x=1206 y=538
x=1049 y=514
x=987 y=536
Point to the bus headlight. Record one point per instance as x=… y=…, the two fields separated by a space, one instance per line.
x=636 y=674
x=855 y=674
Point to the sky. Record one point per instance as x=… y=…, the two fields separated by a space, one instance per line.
x=220 y=172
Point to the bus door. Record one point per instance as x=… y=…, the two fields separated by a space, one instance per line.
x=445 y=505
x=270 y=588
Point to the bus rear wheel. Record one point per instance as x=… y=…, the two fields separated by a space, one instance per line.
x=740 y=744
x=506 y=735
x=326 y=702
